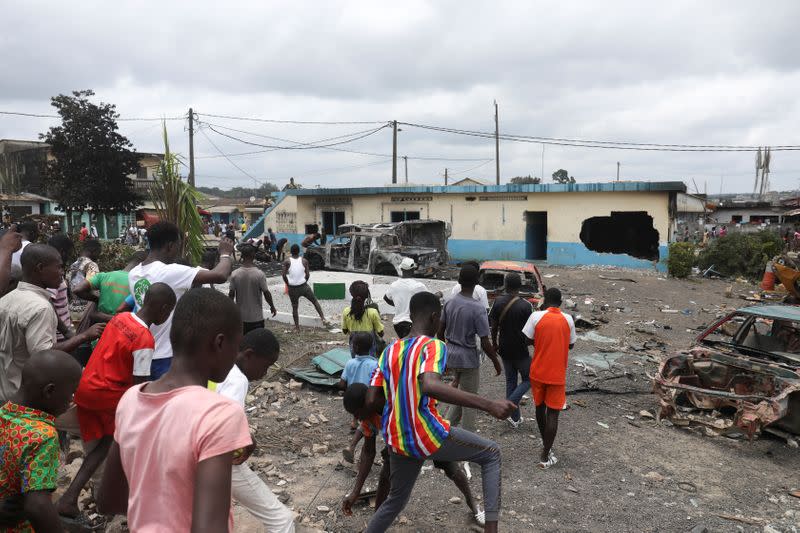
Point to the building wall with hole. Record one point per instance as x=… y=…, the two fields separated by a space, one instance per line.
x=492 y=225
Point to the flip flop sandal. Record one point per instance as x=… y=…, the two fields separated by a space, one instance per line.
x=83 y=522
x=480 y=517
x=348 y=455
x=551 y=461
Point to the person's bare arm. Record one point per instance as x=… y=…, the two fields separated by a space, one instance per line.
x=112 y=498
x=285 y=272
x=221 y=272
x=268 y=298
x=488 y=347
x=308 y=270
x=375 y=399
x=85 y=292
x=388 y=300
x=365 y=462
x=10 y=242
x=212 y=494
x=433 y=386
x=41 y=512
x=68 y=345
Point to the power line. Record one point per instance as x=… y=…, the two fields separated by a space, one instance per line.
x=275 y=121
x=120 y=119
x=315 y=144
x=583 y=143
x=298 y=145
x=240 y=169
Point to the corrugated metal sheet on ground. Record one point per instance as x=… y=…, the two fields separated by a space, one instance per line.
x=325 y=368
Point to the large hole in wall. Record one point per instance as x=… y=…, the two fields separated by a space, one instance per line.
x=624 y=232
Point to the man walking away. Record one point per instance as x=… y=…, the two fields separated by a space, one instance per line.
x=399 y=296
x=295 y=274
x=248 y=285
x=508 y=316
x=552 y=334
x=462 y=319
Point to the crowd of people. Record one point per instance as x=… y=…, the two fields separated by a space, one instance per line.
x=150 y=367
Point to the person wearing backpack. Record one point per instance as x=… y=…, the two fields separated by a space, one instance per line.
x=507 y=317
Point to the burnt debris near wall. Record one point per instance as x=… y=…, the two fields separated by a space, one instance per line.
x=624 y=232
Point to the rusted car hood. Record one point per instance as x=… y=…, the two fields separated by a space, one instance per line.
x=727 y=390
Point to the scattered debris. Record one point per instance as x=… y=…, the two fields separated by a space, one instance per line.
x=608 y=278
x=653 y=476
x=602 y=425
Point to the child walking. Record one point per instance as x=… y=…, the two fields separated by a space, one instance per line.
x=259 y=351
x=121 y=359
x=409 y=376
x=359 y=369
x=29 y=442
x=169 y=467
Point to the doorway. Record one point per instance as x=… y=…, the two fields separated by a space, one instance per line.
x=331 y=220
x=536 y=235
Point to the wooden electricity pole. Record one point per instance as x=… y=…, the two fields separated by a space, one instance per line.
x=496 y=144
x=405 y=162
x=191 y=147
x=445 y=177
x=394 y=151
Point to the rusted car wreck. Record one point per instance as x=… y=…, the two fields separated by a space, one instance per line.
x=743 y=374
x=379 y=248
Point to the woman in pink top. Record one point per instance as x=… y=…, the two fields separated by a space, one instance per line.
x=169 y=467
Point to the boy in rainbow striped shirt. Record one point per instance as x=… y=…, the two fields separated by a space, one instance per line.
x=409 y=376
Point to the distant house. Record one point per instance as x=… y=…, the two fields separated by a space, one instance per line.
x=231 y=210
x=22 y=169
x=467 y=182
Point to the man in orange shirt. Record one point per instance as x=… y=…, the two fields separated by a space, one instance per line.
x=552 y=334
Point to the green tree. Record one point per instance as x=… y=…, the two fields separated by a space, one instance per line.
x=562 y=176
x=526 y=180
x=263 y=191
x=91 y=160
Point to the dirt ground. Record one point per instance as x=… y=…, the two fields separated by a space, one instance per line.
x=618 y=471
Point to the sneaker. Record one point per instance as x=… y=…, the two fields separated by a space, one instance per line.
x=514 y=423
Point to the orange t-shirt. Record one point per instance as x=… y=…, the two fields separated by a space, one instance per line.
x=552 y=332
x=371 y=426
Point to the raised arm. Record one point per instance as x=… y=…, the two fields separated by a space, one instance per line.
x=221 y=272
x=212 y=494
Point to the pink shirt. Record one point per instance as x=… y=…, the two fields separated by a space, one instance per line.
x=162 y=437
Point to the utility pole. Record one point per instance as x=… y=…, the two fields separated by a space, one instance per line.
x=394 y=151
x=496 y=144
x=405 y=162
x=191 y=147
x=445 y=177
x=617 y=170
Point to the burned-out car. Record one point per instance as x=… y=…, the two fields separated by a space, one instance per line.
x=743 y=373
x=379 y=248
x=492 y=277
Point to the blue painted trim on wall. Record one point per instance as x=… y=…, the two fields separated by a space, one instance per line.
x=465 y=249
x=575 y=254
x=616 y=186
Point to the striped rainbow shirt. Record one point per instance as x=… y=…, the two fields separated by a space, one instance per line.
x=411 y=424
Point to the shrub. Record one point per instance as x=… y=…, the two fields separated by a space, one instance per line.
x=741 y=254
x=113 y=256
x=681 y=259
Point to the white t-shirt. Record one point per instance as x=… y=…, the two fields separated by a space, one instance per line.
x=16 y=256
x=478 y=294
x=235 y=386
x=179 y=277
x=400 y=292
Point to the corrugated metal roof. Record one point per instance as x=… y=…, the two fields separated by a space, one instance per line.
x=616 y=186
x=785 y=312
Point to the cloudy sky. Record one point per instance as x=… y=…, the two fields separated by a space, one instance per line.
x=710 y=73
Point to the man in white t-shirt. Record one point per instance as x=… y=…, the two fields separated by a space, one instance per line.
x=30 y=232
x=399 y=296
x=160 y=266
x=258 y=351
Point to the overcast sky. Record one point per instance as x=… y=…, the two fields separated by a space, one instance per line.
x=670 y=72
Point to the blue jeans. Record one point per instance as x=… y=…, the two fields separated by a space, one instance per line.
x=515 y=391
x=159 y=367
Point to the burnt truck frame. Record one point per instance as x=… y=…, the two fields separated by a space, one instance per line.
x=380 y=247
